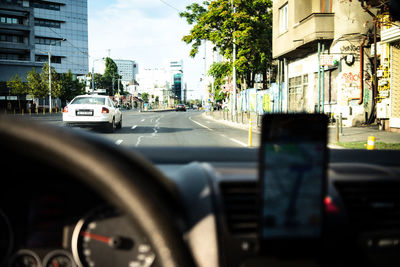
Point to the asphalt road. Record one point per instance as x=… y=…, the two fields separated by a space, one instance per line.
x=190 y=128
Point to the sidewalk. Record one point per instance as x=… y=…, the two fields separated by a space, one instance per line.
x=361 y=134
x=350 y=134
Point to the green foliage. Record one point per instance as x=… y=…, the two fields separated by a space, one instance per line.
x=110 y=76
x=145 y=97
x=36 y=85
x=55 y=81
x=250 y=26
x=17 y=86
x=219 y=70
x=70 y=87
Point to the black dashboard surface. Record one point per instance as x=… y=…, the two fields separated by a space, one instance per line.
x=217 y=190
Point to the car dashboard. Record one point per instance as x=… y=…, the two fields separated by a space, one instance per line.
x=49 y=219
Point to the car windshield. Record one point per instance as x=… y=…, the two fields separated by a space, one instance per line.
x=89 y=100
x=202 y=73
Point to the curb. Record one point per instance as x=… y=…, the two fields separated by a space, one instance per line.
x=233 y=124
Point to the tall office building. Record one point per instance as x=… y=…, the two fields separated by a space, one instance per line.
x=29 y=30
x=127 y=69
x=175 y=68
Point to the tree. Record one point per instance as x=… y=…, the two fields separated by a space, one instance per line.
x=110 y=75
x=55 y=80
x=219 y=70
x=250 y=26
x=145 y=97
x=18 y=87
x=70 y=87
x=35 y=84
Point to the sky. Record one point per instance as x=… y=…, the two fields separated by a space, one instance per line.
x=147 y=31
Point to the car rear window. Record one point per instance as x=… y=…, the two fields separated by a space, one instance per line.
x=89 y=100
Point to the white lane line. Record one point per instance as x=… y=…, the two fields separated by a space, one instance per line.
x=118 y=142
x=238 y=142
x=133 y=127
x=143 y=120
x=190 y=118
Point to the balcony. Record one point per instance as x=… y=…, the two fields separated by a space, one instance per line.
x=300 y=38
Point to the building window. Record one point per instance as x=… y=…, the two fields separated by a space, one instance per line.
x=12 y=2
x=10 y=20
x=11 y=38
x=46 y=5
x=283 y=19
x=47 y=23
x=14 y=57
x=44 y=58
x=47 y=41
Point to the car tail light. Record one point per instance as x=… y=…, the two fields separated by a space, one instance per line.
x=105 y=110
x=330 y=206
x=65 y=109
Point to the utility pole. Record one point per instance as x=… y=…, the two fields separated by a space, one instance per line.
x=234 y=70
x=50 y=104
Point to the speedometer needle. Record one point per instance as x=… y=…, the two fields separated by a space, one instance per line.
x=97 y=237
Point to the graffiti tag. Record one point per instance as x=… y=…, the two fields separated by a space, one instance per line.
x=349 y=48
x=351 y=77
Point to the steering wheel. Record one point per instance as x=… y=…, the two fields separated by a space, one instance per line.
x=124 y=178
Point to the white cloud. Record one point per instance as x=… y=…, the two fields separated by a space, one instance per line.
x=149 y=32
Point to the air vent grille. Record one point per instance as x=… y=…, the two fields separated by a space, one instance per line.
x=240 y=206
x=372 y=205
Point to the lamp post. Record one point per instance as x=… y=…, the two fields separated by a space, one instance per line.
x=49 y=55
x=94 y=60
x=234 y=70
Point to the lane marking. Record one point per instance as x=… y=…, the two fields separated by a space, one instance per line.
x=143 y=120
x=155 y=129
x=118 y=142
x=238 y=142
x=134 y=127
x=190 y=118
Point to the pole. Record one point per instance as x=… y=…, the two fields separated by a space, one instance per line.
x=319 y=77
x=50 y=80
x=234 y=70
x=93 y=77
x=323 y=82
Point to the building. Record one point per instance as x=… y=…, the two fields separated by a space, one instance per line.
x=323 y=50
x=30 y=30
x=127 y=69
x=175 y=70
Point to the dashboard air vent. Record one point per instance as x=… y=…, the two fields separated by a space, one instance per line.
x=372 y=205
x=239 y=200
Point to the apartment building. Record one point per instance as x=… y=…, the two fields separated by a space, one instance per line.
x=127 y=69
x=323 y=52
x=30 y=30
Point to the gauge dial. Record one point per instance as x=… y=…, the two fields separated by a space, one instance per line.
x=25 y=258
x=58 y=258
x=6 y=237
x=106 y=238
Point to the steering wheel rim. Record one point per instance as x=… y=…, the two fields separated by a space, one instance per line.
x=128 y=181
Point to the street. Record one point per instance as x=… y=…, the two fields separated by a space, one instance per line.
x=170 y=128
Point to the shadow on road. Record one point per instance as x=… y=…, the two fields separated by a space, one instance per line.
x=146 y=130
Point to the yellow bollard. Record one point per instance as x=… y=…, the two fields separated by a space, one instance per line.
x=44 y=110
x=371 y=143
x=30 y=112
x=22 y=112
x=250 y=133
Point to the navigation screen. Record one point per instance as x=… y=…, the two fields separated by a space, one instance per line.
x=292 y=195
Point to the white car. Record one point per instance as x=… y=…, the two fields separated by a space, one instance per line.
x=92 y=110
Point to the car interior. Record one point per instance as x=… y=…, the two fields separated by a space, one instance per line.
x=70 y=198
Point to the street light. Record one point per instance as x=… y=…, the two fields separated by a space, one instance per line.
x=94 y=60
x=49 y=54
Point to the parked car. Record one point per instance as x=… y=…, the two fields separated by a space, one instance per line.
x=180 y=107
x=93 y=111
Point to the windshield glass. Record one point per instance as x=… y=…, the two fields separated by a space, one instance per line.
x=89 y=100
x=202 y=73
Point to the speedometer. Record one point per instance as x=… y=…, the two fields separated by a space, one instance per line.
x=106 y=238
